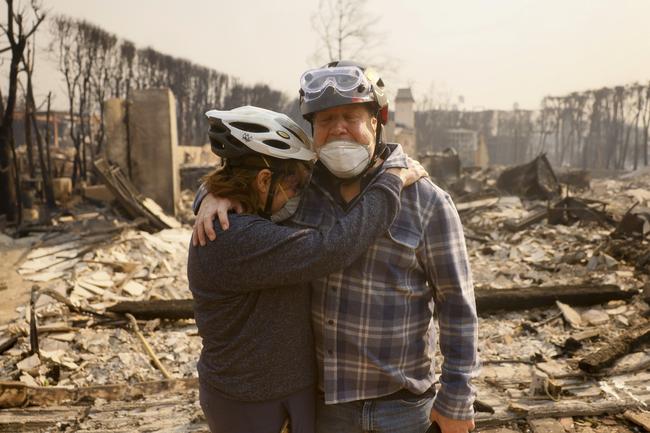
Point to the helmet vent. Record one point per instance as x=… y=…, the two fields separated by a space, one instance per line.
x=249 y=127
x=234 y=141
x=216 y=125
x=277 y=144
x=295 y=135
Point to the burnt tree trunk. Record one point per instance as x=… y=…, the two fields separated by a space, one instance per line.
x=8 y=196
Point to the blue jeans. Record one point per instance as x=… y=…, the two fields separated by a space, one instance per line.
x=374 y=416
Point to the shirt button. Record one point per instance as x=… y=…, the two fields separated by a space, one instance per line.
x=331 y=322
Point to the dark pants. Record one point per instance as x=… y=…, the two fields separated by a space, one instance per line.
x=233 y=416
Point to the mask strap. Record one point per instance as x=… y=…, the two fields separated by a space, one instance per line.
x=266 y=213
x=284 y=193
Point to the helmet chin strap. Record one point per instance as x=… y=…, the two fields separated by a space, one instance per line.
x=268 y=206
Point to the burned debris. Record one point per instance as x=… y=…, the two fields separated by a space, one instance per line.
x=97 y=330
x=533 y=180
x=558 y=283
x=561 y=290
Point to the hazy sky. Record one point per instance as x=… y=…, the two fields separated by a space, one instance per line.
x=492 y=52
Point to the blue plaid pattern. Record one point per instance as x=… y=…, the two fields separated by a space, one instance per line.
x=373 y=321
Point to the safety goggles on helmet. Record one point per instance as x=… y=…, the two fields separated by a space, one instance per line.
x=344 y=79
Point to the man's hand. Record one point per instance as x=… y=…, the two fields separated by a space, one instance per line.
x=212 y=206
x=448 y=425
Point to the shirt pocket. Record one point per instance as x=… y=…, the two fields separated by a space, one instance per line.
x=401 y=245
x=407 y=229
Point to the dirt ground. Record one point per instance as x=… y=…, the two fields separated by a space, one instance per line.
x=14 y=291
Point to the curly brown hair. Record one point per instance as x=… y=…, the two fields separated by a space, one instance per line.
x=235 y=181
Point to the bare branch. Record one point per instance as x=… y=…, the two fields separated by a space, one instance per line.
x=345 y=30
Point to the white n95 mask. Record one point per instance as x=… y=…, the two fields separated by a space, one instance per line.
x=345 y=159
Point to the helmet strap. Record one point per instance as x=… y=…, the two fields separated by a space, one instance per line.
x=267 y=211
x=268 y=206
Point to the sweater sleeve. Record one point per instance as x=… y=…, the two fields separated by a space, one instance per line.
x=256 y=254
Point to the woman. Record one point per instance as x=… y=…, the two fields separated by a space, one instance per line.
x=251 y=297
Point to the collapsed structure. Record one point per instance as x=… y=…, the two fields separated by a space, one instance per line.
x=562 y=281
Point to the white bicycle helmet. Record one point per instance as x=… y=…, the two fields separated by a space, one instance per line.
x=249 y=130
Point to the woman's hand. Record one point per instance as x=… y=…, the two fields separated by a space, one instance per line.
x=409 y=175
x=212 y=206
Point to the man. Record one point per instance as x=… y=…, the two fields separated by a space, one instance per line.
x=372 y=322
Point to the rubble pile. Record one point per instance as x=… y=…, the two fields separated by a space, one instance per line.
x=562 y=285
x=586 y=360
x=93 y=272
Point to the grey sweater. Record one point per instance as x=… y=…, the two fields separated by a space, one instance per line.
x=252 y=297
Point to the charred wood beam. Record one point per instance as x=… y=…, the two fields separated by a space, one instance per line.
x=533 y=218
x=18 y=394
x=487 y=300
x=33 y=321
x=521 y=298
x=7 y=343
x=615 y=348
x=174 y=309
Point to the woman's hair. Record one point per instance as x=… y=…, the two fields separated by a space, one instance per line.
x=235 y=179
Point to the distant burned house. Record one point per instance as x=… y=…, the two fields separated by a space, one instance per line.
x=479 y=137
x=469 y=145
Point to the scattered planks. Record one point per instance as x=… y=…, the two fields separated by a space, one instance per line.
x=180 y=413
x=130 y=199
x=546 y=425
x=38 y=419
x=639 y=418
x=561 y=409
x=521 y=298
x=18 y=394
x=615 y=348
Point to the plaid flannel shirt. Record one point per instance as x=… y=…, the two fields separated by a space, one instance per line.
x=373 y=321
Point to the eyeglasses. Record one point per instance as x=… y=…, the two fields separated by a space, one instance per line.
x=343 y=79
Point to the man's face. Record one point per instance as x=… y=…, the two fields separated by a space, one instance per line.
x=351 y=122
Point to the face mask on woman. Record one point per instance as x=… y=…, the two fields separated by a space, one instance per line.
x=345 y=159
x=299 y=182
x=289 y=208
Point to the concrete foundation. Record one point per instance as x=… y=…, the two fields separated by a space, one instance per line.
x=117 y=145
x=153 y=141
